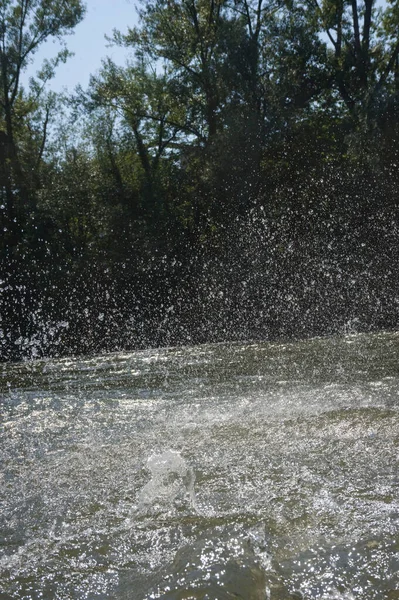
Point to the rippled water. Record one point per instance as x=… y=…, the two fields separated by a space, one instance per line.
x=225 y=471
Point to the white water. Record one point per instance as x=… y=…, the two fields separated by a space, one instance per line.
x=260 y=470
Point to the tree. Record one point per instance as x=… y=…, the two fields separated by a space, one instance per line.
x=189 y=38
x=364 y=50
x=24 y=26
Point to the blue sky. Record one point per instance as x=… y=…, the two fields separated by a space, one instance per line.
x=88 y=43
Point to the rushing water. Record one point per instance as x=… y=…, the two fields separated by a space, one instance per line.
x=246 y=471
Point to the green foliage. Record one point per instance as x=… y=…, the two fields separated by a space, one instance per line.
x=280 y=113
x=24 y=26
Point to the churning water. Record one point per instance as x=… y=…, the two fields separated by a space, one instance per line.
x=246 y=471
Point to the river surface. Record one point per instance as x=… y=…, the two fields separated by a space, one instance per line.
x=250 y=471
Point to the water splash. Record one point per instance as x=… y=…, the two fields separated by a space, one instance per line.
x=171 y=484
x=289 y=451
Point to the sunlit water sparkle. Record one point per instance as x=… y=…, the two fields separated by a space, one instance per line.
x=250 y=471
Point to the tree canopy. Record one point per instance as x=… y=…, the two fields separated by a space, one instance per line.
x=236 y=178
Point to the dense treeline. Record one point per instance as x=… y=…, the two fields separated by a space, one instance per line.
x=237 y=179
